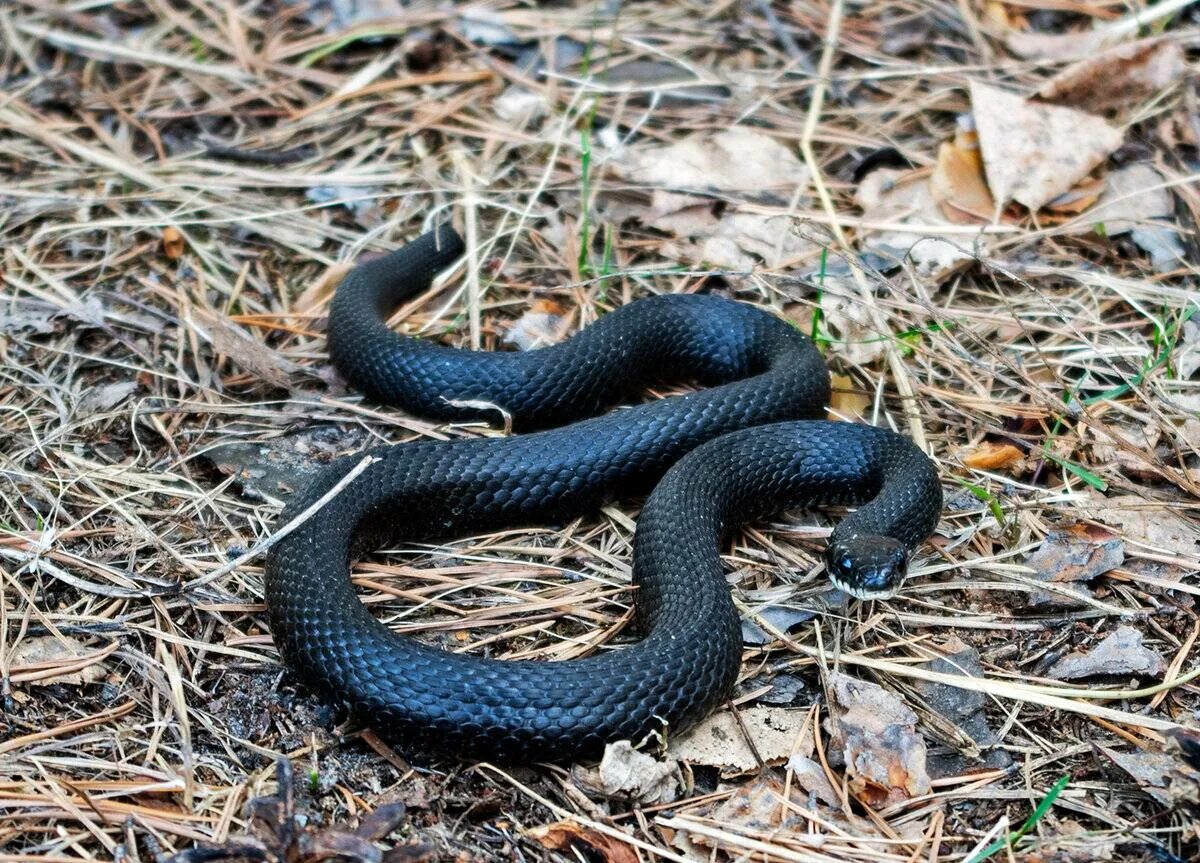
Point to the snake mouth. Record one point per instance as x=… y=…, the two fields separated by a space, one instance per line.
x=867 y=567
x=862 y=593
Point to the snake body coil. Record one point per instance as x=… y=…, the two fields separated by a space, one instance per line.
x=737 y=453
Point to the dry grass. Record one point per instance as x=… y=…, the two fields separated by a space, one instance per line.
x=276 y=151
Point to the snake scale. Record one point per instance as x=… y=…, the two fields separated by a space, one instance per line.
x=748 y=444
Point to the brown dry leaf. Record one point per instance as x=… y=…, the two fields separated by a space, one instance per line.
x=1076 y=554
x=34 y=659
x=680 y=215
x=901 y=198
x=1078 y=198
x=1132 y=198
x=579 y=841
x=848 y=400
x=811 y=777
x=1117 y=77
x=1121 y=653
x=1148 y=523
x=719 y=742
x=1033 y=152
x=1056 y=46
x=885 y=757
x=541 y=325
x=173 y=243
x=849 y=323
x=740 y=240
x=1128 y=447
x=757 y=808
x=992 y=456
x=1166 y=778
x=732 y=160
x=963 y=711
x=1187 y=355
x=626 y=772
x=1184 y=744
x=958 y=184
x=250 y=354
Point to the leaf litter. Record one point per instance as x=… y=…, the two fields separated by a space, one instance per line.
x=178 y=206
x=1121 y=653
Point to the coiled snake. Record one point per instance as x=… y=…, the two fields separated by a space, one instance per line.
x=748 y=445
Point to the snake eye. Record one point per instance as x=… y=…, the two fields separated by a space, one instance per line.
x=845 y=564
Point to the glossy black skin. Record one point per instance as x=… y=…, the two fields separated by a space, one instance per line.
x=737 y=454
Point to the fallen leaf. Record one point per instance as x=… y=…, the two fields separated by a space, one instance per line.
x=848 y=400
x=582 y=842
x=1057 y=46
x=958 y=184
x=34 y=661
x=965 y=709
x=787 y=690
x=626 y=772
x=540 y=326
x=1147 y=523
x=1033 y=152
x=1187 y=351
x=518 y=105
x=1135 y=201
x=272 y=470
x=1163 y=245
x=173 y=243
x=670 y=83
x=780 y=617
x=1133 y=197
x=740 y=240
x=106 y=397
x=811 y=777
x=992 y=456
x=732 y=160
x=251 y=355
x=901 y=198
x=847 y=323
x=1121 y=653
x=1073 y=555
x=765 y=807
x=1128 y=447
x=1167 y=778
x=885 y=757
x=680 y=215
x=756 y=808
x=340 y=17
x=1078 y=198
x=364 y=203
x=1118 y=77
x=737 y=240
x=718 y=741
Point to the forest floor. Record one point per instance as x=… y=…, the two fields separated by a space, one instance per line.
x=984 y=213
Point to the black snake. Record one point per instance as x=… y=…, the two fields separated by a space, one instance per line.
x=748 y=445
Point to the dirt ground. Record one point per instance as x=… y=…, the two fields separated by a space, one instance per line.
x=995 y=249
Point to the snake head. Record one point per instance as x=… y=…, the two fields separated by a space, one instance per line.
x=867 y=566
